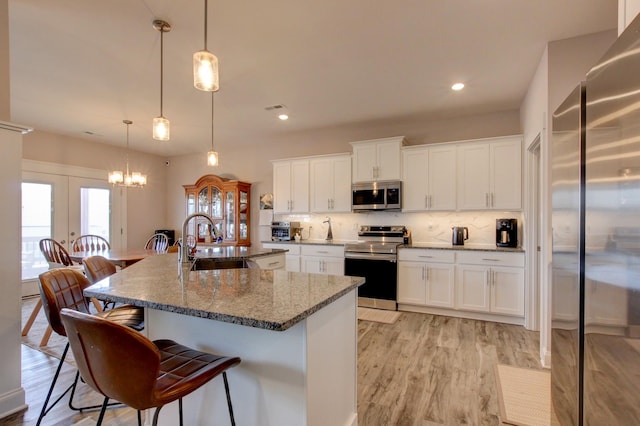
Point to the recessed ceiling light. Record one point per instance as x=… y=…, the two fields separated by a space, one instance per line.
x=457 y=87
x=283 y=116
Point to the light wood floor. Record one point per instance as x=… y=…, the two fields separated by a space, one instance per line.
x=422 y=370
x=434 y=370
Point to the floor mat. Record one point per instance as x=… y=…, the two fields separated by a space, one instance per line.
x=378 y=315
x=524 y=395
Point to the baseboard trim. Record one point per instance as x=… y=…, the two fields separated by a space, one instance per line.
x=12 y=402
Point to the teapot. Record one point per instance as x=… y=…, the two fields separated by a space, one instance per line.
x=459 y=234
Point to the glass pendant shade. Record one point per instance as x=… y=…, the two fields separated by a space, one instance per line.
x=116 y=177
x=161 y=130
x=212 y=158
x=205 y=71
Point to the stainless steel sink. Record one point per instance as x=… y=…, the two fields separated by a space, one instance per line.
x=205 y=264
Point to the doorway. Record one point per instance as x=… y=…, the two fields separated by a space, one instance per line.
x=63 y=207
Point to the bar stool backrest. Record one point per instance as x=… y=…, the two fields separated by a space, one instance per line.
x=62 y=288
x=97 y=268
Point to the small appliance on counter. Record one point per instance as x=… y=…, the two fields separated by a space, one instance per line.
x=459 y=234
x=507 y=233
x=284 y=231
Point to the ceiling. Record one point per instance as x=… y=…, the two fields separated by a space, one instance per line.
x=82 y=66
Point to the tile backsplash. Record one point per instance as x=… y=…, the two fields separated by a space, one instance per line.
x=425 y=227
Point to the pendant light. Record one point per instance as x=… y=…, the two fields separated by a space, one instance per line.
x=212 y=156
x=161 y=130
x=133 y=179
x=205 y=64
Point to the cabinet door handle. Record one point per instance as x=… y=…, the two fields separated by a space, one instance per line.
x=425 y=257
x=486 y=199
x=333 y=204
x=273 y=263
x=426 y=274
x=426 y=201
x=492 y=199
x=322 y=251
x=423 y=278
x=430 y=202
x=491 y=260
x=488 y=278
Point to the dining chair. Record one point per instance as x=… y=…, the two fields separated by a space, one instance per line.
x=157 y=242
x=63 y=288
x=57 y=257
x=90 y=243
x=150 y=374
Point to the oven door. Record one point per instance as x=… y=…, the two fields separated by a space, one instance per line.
x=380 y=272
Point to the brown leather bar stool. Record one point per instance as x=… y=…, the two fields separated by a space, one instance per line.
x=138 y=372
x=97 y=268
x=62 y=288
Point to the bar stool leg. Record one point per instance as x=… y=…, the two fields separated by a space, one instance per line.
x=105 y=403
x=226 y=388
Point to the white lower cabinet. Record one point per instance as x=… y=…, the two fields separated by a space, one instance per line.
x=426 y=277
x=490 y=282
x=322 y=259
x=476 y=284
x=292 y=257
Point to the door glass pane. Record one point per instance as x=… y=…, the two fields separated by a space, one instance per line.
x=36 y=225
x=94 y=212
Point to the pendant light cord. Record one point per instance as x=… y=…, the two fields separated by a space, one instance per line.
x=205 y=23
x=212 y=121
x=161 y=68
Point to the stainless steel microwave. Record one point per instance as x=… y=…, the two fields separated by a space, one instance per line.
x=371 y=196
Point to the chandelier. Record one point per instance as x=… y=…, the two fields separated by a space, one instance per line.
x=128 y=179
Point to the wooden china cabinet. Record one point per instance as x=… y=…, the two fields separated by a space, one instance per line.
x=227 y=202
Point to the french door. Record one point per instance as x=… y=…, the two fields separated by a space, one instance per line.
x=63 y=207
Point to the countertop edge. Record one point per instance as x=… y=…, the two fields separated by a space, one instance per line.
x=245 y=321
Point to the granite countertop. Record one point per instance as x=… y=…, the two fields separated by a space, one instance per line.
x=466 y=247
x=233 y=253
x=272 y=300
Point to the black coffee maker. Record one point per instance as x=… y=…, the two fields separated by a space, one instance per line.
x=507 y=232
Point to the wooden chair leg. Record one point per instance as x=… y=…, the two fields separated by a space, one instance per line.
x=47 y=335
x=32 y=317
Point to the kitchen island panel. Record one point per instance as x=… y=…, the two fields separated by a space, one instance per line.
x=305 y=375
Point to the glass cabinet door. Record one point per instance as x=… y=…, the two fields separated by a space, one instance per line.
x=216 y=202
x=203 y=200
x=230 y=220
x=244 y=203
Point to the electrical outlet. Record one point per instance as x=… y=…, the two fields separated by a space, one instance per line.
x=354 y=227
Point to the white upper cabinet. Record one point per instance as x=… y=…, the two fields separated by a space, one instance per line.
x=429 y=178
x=291 y=186
x=377 y=159
x=330 y=184
x=490 y=174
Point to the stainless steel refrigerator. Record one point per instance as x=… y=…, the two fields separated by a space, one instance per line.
x=595 y=364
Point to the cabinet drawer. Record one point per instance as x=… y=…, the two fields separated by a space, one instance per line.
x=320 y=250
x=271 y=262
x=294 y=249
x=488 y=258
x=427 y=255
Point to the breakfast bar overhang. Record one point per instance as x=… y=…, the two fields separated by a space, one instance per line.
x=296 y=334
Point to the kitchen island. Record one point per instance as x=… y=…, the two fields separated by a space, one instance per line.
x=296 y=334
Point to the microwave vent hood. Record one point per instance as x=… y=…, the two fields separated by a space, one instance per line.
x=376 y=196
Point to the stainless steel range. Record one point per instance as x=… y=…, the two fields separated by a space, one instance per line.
x=375 y=258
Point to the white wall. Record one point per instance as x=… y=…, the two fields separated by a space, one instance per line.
x=12 y=396
x=563 y=65
x=627 y=11
x=146 y=208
